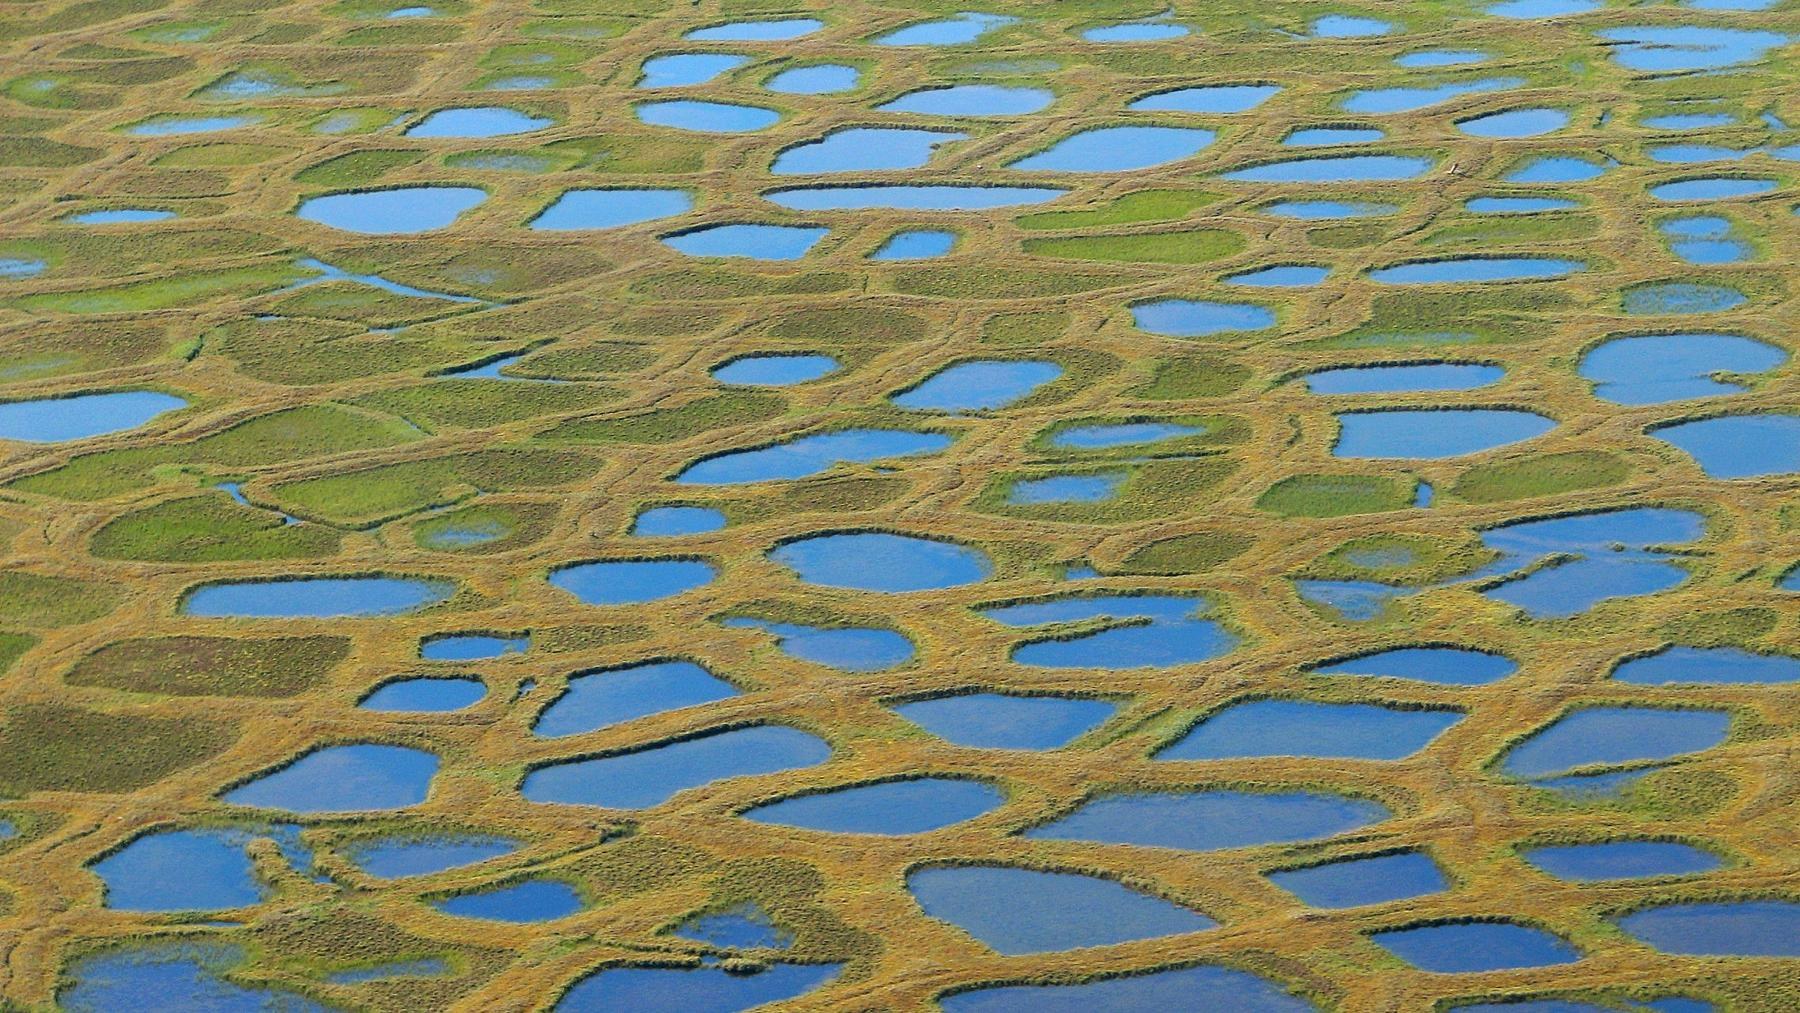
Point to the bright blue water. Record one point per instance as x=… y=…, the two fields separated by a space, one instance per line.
x=1136 y=31
x=1383 y=101
x=1216 y=99
x=349 y=778
x=181 y=870
x=1447 y=666
x=1280 y=276
x=1611 y=557
x=675 y=521
x=1688 y=121
x=1689 y=153
x=1593 y=736
x=1621 y=860
x=608 y=697
x=706 y=117
x=809 y=455
x=59 y=419
x=692 y=989
x=911 y=806
x=1194 y=988
x=120 y=216
x=1557 y=169
x=960 y=30
x=1680 y=297
x=1517 y=205
x=1515 y=123
x=1335 y=169
x=821 y=79
x=916 y=244
x=1738 y=446
x=20 y=267
x=482 y=121
x=1005 y=721
x=1393 y=379
x=863 y=149
x=1306 y=728
x=631 y=581
x=1067 y=488
x=1117 y=149
x=425 y=694
x=1318 y=137
x=398 y=211
x=906 y=197
x=610 y=209
x=1355 y=882
x=1429 y=434
x=1318 y=210
x=189 y=125
x=1476 y=269
x=329 y=272
x=171 y=976
x=1187 y=318
x=1705 y=239
x=650 y=776
x=982 y=385
x=1466 y=947
x=684 y=70
x=775 y=370
x=1711 y=188
x=1345 y=26
x=1683 y=48
x=1120 y=434
x=1356 y=601
x=746 y=927
x=971 y=100
x=1656 y=368
x=471 y=646
x=1747 y=928
x=399 y=857
x=1532 y=9
x=315 y=596
x=773 y=30
x=847 y=648
x=1147 y=631
x=1018 y=911
x=1439 y=58
x=1212 y=820
x=882 y=562
x=756 y=242
x=427 y=967
x=1708 y=666
x=533 y=900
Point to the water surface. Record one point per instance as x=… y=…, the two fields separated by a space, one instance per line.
x=1007 y=721
x=810 y=455
x=398 y=211
x=1018 y=911
x=1679 y=665
x=1355 y=882
x=1449 y=666
x=351 y=778
x=1212 y=820
x=430 y=694
x=692 y=990
x=1307 y=728
x=684 y=70
x=1467 y=947
x=607 y=697
x=651 y=775
x=1748 y=928
x=309 y=597
x=631 y=581
x=1201 y=987
x=1620 y=860
x=1117 y=149
x=981 y=385
x=706 y=117
x=477 y=121
x=1595 y=736
x=1738 y=446
x=610 y=209
x=863 y=149
x=1190 y=318
x=882 y=562
x=80 y=416
x=910 y=806
x=1656 y=368
x=1216 y=99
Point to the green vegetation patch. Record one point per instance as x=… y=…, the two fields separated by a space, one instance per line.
x=851 y=326
x=1000 y=283
x=373 y=495
x=1511 y=313
x=1723 y=629
x=1199 y=552
x=1190 y=246
x=1547 y=475
x=272 y=667
x=192 y=288
x=671 y=425
x=1156 y=488
x=485 y=527
x=480 y=403
x=1020 y=329
x=1337 y=495
x=1516 y=230
x=1193 y=376
x=602 y=358
x=357 y=168
x=1142 y=206
x=41 y=600
x=50 y=747
x=209 y=528
x=723 y=283
x=12 y=647
x=43 y=153
x=1402 y=558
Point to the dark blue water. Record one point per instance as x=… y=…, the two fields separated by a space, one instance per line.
x=911 y=806
x=746 y=927
x=1018 y=911
x=1466 y=947
x=1448 y=666
x=810 y=455
x=533 y=900
x=1189 y=988
x=902 y=196
x=181 y=870
x=471 y=646
x=1621 y=860
x=775 y=370
x=351 y=778
x=772 y=30
x=1430 y=376
x=477 y=121
x=1006 y=721
x=650 y=776
x=632 y=581
x=1749 y=928
x=960 y=30
x=1212 y=820
x=1335 y=169
x=684 y=70
x=398 y=857
x=168 y=977
x=59 y=419
x=601 y=699
x=706 y=117
x=1738 y=446
x=610 y=209
x=882 y=562
x=1117 y=149
x=1358 y=881
x=846 y=648
x=1515 y=123
x=1429 y=434
x=982 y=385
x=315 y=596
x=820 y=79
x=1189 y=318
x=1121 y=434
x=1708 y=666
x=863 y=149
x=1148 y=631
x=754 y=242
x=1655 y=368
x=916 y=244
x=676 y=521
x=425 y=694
x=1217 y=99
x=691 y=990
x=1593 y=736
x=1306 y=728
x=397 y=211
x=971 y=100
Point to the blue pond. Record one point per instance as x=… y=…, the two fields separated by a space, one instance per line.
x=1594 y=736
x=349 y=778
x=397 y=211
x=1738 y=446
x=601 y=699
x=1711 y=188
x=1621 y=860
x=684 y=70
x=882 y=562
x=631 y=581
x=1117 y=149
x=1468 y=947
x=1434 y=433
x=60 y=419
x=1515 y=123
x=1558 y=169
x=1748 y=928
x=181 y=870
x=1347 y=26
x=746 y=926
x=981 y=100
x=1218 y=99
x=482 y=121
x=1306 y=728
x=1136 y=31
x=862 y=149
x=846 y=648
x=981 y=385
x=1432 y=376
x=676 y=521
x=1005 y=721
x=906 y=197
x=1688 y=121
x=1680 y=298
x=1120 y=434
x=169 y=976
x=960 y=30
x=1518 y=205
x=911 y=806
x=1355 y=601
x=820 y=79
x=533 y=900
x=692 y=990
x=610 y=209
x=1383 y=101
x=1655 y=368
x=1447 y=666
x=1681 y=48
x=774 y=370
x=916 y=244
x=1708 y=666
x=1317 y=210
x=651 y=775
x=1189 y=318
x=1145 y=631
x=1705 y=239
x=1475 y=269
x=471 y=646
x=1355 y=882
x=773 y=30
x=425 y=694
x=1320 y=137
x=1524 y=10
x=315 y=597
x=177 y=126
x=756 y=242
x=1212 y=820
x=809 y=455
x=1281 y=276
x=399 y=857
x=1201 y=987
x=1029 y=911
x=120 y=216
x=1609 y=555
x=1335 y=169
x=20 y=267
x=1067 y=488
x=706 y=117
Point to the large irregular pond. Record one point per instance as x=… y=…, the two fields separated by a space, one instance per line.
x=399 y=211
x=1593 y=557
x=1212 y=820
x=1018 y=911
x=80 y=416
x=651 y=775
x=352 y=778
x=323 y=597
x=1142 y=631
x=882 y=562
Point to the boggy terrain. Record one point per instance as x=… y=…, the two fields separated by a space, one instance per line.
x=630 y=505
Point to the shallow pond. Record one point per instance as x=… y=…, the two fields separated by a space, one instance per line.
x=746 y=927
x=351 y=778
x=821 y=79
x=1216 y=99
x=981 y=100
x=533 y=900
x=1347 y=26
x=1120 y=434
x=1447 y=666
x=882 y=562
x=1475 y=269
x=1146 y=631
x=1093 y=488
x=428 y=694
x=181 y=870
x=1518 y=205
x=1335 y=169
x=1430 y=434
x=1608 y=554
x=1018 y=911
x=1320 y=210
x=1212 y=820
x=1201 y=987
x=1526 y=10
x=754 y=242
x=916 y=244
x=60 y=419
x=1321 y=137
x=631 y=581
x=651 y=775
x=1385 y=101
x=911 y=806
x=1468 y=947
x=1711 y=188
x=676 y=521
x=1702 y=666
x=1558 y=169
x=1620 y=860
x=477 y=121
x=610 y=209
x=1594 y=736
x=168 y=975
x=1355 y=882
x=810 y=455
x=1428 y=376
x=1355 y=601
x=1656 y=368
x=1188 y=318
x=706 y=117
x=1738 y=446
x=399 y=857
x=310 y=597
x=1306 y=728
x=1117 y=149
x=120 y=216
x=684 y=70
x=1515 y=123
x=1683 y=48
x=1680 y=298
x=398 y=211
x=176 y=126
x=1280 y=276
x=774 y=370
x=960 y=30
x=771 y=30
x=904 y=197
x=863 y=149
x=601 y=699
x=1705 y=239
x=1136 y=31
x=471 y=646
x=846 y=648
x=982 y=385
x=1747 y=928
x=692 y=990
x=1688 y=121
x=1007 y=721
